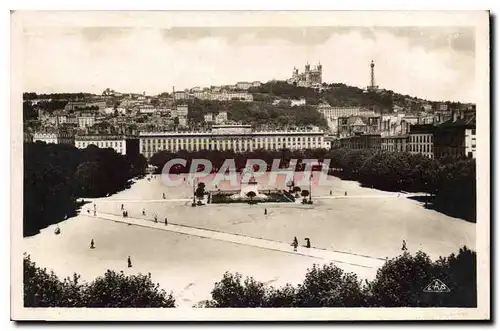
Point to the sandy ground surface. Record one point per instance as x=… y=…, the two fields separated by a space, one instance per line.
x=366 y=222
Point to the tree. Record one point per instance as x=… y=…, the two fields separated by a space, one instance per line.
x=233 y=292
x=330 y=286
x=29 y=112
x=284 y=297
x=251 y=195
x=458 y=272
x=48 y=185
x=304 y=194
x=451 y=182
x=44 y=289
x=116 y=290
x=55 y=174
x=401 y=282
x=90 y=179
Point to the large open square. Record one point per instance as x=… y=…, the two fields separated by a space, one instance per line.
x=357 y=232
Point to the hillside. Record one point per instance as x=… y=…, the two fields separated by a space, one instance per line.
x=341 y=95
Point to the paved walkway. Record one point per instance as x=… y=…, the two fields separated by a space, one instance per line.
x=327 y=255
x=379 y=196
x=138 y=200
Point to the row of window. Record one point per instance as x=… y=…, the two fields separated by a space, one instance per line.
x=421 y=138
x=199 y=140
x=84 y=144
x=226 y=145
x=150 y=150
x=427 y=148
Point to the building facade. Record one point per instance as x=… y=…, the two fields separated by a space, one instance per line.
x=351 y=125
x=55 y=137
x=208 y=117
x=86 y=120
x=125 y=145
x=421 y=140
x=395 y=143
x=361 y=141
x=27 y=137
x=331 y=113
x=244 y=85
x=456 y=138
x=238 y=138
x=221 y=117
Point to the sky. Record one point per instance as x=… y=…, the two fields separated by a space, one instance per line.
x=436 y=63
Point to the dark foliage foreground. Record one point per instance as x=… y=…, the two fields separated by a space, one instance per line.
x=113 y=290
x=55 y=175
x=400 y=282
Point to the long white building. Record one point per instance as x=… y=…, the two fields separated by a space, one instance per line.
x=55 y=137
x=229 y=137
x=120 y=143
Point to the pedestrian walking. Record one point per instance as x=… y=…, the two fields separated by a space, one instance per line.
x=129 y=262
x=92 y=244
x=123 y=214
x=345 y=193
x=265 y=211
x=163 y=195
x=122 y=206
x=143 y=212
x=156 y=219
x=403 y=246
x=330 y=192
x=295 y=244
x=166 y=223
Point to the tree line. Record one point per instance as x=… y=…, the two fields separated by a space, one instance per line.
x=450 y=183
x=55 y=175
x=404 y=281
x=57 y=96
x=113 y=290
x=217 y=157
x=257 y=113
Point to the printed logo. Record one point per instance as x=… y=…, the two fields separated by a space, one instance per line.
x=437 y=286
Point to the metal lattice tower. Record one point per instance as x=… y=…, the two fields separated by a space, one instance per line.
x=372 y=75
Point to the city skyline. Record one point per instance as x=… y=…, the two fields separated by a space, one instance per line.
x=423 y=62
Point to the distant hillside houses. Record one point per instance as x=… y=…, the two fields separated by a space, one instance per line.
x=85 y=105
x=218 y=96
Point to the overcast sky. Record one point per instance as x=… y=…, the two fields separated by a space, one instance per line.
x=433 y=63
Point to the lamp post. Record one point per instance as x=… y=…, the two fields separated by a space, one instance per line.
x=194 y=190
x=310 y=188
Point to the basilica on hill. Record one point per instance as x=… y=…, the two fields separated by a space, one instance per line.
x=309 y=78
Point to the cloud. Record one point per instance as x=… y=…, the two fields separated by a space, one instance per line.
x=420 y=62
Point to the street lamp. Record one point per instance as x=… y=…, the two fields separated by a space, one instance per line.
x=310 y=188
